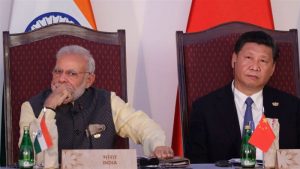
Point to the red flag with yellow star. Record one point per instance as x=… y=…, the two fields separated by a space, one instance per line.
x=263 y=135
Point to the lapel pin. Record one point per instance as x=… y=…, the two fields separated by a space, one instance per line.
x=275 y=104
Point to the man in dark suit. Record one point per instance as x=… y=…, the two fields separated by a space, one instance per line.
x=216 y=121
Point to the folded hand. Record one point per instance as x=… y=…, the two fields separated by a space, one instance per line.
x=61 y=94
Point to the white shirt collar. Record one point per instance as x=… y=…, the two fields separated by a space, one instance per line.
x=240 y=99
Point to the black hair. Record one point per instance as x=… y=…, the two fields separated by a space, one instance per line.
x=258 y=37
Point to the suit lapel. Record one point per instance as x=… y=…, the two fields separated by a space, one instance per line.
x=271 y=103
x=227 y=110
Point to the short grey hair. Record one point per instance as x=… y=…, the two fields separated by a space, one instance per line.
x=80 y=51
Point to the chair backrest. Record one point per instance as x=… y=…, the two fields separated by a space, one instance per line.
x=30 y=57
x=204 y=63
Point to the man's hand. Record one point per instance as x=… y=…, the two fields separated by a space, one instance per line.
x=163 y=152
x=61 y=94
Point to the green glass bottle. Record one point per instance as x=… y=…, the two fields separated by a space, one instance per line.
x=248 y=151
x=26 y=153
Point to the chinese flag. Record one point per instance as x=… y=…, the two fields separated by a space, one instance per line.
x=205 y=14
x=263 y=135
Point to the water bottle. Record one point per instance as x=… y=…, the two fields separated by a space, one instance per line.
x=26 y=153
x=248 y=151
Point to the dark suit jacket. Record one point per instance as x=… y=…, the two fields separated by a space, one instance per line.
x=214 y=127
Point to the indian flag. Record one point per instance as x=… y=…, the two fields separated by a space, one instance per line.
x=43 y=138
x=28 y=15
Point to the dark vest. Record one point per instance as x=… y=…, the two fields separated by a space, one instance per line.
x=93 y=107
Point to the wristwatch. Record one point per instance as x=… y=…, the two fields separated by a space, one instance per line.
x=45 y=109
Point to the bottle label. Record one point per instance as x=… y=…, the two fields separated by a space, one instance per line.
x=25 y=164
x=248 y=163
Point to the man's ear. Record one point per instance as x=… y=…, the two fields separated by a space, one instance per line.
x=233 y=59
x=90 y=80
x=273 y=68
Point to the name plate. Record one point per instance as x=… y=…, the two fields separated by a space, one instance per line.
x=99 y=159
x=288 y=158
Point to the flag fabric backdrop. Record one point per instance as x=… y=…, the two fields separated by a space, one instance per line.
x=28 y=15
x=205 y=14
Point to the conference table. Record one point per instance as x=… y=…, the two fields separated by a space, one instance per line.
x=205 y=166
x=192 y=166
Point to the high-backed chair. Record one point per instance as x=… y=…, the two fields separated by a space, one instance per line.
x=204 y=63
x=30 y=57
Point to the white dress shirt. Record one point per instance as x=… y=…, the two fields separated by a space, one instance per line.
x=257 y=110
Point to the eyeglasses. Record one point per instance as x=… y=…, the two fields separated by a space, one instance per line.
x=68 y=73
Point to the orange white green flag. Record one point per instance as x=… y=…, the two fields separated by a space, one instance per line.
x=28 y=15
x=43 y=139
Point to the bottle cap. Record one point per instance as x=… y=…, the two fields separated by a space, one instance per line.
x=26 y=127
x=247 y=127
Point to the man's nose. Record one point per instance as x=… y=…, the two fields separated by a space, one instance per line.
x=62 y=77
x=255 y=65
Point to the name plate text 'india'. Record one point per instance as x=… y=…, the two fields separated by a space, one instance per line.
x=100 y=158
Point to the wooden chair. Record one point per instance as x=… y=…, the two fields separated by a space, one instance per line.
x=204 y=63
x=30 y=57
